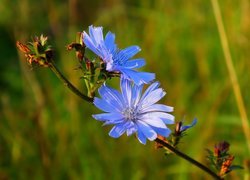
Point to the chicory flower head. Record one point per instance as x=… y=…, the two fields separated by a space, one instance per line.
x=132 y=111
x=116 y=60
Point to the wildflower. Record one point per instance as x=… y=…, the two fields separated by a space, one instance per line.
x=132 y=112
x=179 y=132
x=116 y=60
x=179 y=129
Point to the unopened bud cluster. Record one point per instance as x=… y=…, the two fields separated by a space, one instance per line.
x=38 y=52
x=221 y=159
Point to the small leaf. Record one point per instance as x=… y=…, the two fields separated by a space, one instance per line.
x=235 y=167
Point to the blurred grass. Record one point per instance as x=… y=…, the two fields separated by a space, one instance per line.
x=46 y=132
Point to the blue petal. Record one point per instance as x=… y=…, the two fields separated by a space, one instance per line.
x=135 y=63
x=96 y=34
x=95 y=42
x=136 y=94
x=141 y=137
x=108 y=122
x=90 y=44
x=131 y=129
x=169 y=121
x=163 y=132
x=165 y=117
x=113 y=93
x=137 y=77
x=127 y=53
x=126 y=91
x=117 y=131
x=106 y=56
x=145 y=77
x=152 y=97
x=105 y=106
x=110 y=42
x=152 y=87
x=157 y=107
x=146 y=130
x=112 y=96
x=108 y=116
x=184 y=128
x=156 y=123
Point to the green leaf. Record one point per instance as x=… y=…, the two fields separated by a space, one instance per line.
x=235 y=167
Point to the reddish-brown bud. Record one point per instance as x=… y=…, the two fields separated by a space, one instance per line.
x=22 y=47
x=221 y=148
x=225 y=168
x=158 y=145
x=37 y=52
x=178 y=128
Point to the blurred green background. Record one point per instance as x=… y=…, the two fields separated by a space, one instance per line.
x=46 y=132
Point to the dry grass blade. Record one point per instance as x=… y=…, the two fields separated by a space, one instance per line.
x=231 y=71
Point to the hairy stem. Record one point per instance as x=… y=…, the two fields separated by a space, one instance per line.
x=68 y=84
x=189 y=159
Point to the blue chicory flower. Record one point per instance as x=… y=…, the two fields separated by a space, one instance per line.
x=132 y=112
x=116 y=60
x=184 y=128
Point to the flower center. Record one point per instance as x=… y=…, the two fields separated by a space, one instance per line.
x=130 y=114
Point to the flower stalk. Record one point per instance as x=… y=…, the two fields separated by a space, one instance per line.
x=162 y=142
x=187 y=158
x=68 y=84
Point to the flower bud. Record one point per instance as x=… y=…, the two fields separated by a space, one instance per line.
x=38 y=52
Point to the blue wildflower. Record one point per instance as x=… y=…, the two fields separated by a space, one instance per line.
x=132 y=112
x=179 y=131
x=117 y=60
x=184 y=128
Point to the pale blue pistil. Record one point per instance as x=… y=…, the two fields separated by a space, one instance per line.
x=130 y=114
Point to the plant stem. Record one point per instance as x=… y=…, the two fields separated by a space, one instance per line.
x=189 y=159
x=68 y=84
x=163 y=143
